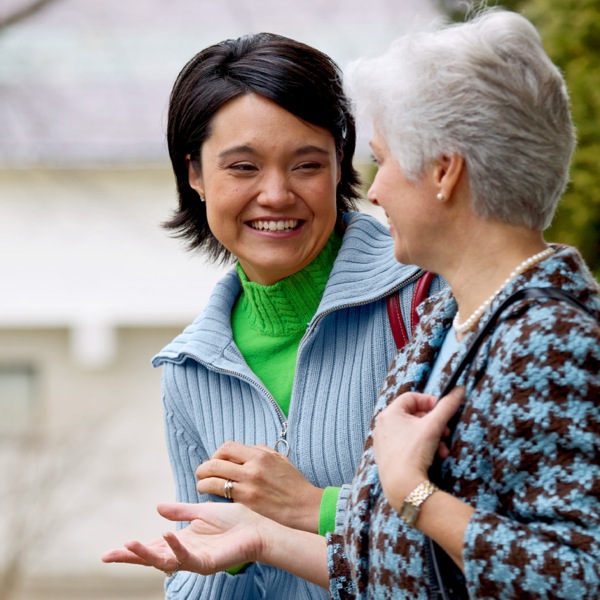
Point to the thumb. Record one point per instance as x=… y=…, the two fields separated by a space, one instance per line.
x=447 y=406
x=178 y=511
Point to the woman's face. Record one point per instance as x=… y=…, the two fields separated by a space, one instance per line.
x=409 y=206
x=269 y=180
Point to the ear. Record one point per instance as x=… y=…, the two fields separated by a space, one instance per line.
x=447 y=173
x=340 y=158
x=194 y=175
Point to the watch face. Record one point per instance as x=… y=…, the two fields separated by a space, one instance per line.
x=409 y=513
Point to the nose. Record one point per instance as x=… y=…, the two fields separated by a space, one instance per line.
x=372 y=195
x=275 y=190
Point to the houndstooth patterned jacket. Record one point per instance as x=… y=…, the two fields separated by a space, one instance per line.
x=525 y=455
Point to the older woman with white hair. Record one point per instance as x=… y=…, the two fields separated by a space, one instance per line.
x=492 y=491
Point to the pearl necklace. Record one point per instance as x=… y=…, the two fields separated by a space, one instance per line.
x=526 y=264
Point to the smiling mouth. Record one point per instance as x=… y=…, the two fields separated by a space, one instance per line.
x=282 y=225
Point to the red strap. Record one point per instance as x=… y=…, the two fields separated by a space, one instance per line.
x=421 y=292
x=396 y=321
x=395 y=314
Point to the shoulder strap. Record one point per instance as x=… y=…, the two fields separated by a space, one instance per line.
x=543 y=292
x=394 y=311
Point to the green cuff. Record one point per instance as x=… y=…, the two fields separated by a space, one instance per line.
x=238 y=569
x=328 y=510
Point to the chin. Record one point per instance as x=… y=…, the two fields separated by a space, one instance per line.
x=399 y=255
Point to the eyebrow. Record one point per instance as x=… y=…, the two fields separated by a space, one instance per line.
x=246 y=149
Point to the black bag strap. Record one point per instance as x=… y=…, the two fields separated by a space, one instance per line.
x=526 y=293
x=446 y=579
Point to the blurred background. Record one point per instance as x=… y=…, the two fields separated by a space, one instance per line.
x=91 y=287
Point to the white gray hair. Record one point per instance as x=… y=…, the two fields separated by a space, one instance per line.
x=484 y=89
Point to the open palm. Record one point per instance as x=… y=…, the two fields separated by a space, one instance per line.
x=219 y=536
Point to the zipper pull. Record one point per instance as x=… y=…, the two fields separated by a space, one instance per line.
x=282 y=442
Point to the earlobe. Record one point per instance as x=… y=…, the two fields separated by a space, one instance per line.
x=447 y=174
x=194 y=176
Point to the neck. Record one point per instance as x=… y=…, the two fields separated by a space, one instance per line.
x=488 y=262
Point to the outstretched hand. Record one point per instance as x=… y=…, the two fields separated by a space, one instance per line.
x=219 y=536
x=406 y=438
x=265 y=481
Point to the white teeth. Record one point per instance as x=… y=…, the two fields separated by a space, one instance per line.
x=275 y=225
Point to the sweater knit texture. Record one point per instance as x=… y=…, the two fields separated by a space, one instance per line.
x=525 y=454
x=210 y=395
x=268 y=321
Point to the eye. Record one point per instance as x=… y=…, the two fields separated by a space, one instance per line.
x=243 y=167
x=309 y=166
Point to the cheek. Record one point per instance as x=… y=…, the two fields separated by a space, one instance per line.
x=221 y=222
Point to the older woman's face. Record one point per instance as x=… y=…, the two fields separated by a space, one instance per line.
x=409 y=206
x=269 y=180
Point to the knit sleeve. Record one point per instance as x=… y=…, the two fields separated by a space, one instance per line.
x=341 y=506
x=186 y=451
x=341 y=584
x=540 y=537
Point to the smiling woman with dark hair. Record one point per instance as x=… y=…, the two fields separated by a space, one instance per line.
x=299 y=79
x=268 y=394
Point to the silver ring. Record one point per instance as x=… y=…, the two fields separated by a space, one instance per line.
x=227 y=489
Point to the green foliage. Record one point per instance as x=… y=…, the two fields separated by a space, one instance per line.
x=570 y=30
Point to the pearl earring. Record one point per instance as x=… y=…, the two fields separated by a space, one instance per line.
x=201 y=197
x=440 y=196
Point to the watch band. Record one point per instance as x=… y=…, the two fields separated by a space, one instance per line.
x=412 y=504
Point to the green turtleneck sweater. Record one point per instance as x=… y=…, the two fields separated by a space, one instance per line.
x=268 y=323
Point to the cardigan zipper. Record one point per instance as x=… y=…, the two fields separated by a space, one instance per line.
x=407 y=281
x=282 y=445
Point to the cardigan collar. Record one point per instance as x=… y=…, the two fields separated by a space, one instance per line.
x=364 y=270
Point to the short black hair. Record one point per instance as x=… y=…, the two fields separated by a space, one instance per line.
x=299 y=78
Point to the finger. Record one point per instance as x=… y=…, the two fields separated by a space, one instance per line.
x=266 y=448
x=158 y=560
x=123 y=556
x=443 y=450
x=216 y=486
x=188 y=561
x=223 y=469
x=179 y=550
x=448 y=405
x=413 y=403
x=179 y=511
x=235 y=452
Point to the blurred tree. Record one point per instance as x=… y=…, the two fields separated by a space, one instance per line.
x=570 y=30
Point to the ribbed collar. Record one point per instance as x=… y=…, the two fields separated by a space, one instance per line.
x=287 y=306
x=365 y=269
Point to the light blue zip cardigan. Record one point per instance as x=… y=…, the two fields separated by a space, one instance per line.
x=211 y=396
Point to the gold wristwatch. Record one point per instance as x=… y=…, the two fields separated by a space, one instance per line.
x=412 y=505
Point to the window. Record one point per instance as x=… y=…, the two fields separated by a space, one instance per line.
x=17 y=391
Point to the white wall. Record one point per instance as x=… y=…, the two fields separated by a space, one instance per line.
x=83 y=261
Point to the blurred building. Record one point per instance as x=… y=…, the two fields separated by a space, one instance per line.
x=91 y=286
